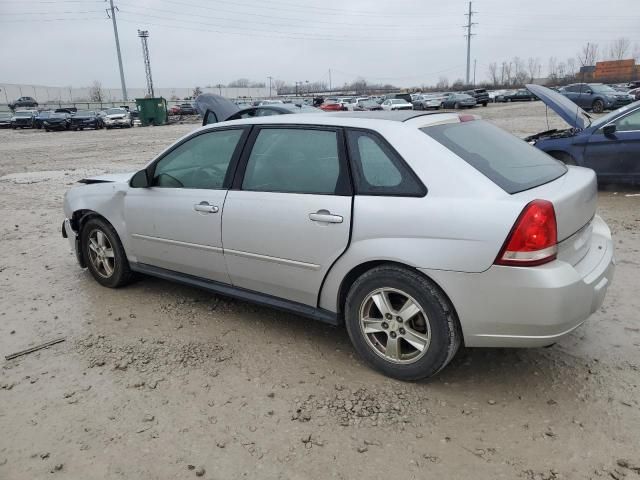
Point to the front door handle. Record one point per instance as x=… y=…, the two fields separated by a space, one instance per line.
x=205 y=207
x=325 y=216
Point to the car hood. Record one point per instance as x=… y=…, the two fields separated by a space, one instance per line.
x=85 y=117
x=568 y=111
x=221 y=107
x=115 y=116
x=108 y=178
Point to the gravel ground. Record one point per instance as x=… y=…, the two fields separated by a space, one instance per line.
x=163 y=381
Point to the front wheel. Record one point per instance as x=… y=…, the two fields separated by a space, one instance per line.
x=104 y=254
x=456 y=106
x=401 y=323
x=598 y=106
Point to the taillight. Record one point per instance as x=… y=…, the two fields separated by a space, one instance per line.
x=533 y=240
x=466 y=117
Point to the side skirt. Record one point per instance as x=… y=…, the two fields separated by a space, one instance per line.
x=319 y=314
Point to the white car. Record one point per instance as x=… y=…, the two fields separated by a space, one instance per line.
x=418 y=232
x=117 y=118
x=354 y=101
x=396 y=104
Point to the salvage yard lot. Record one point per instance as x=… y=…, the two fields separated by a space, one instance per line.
x=156 y=378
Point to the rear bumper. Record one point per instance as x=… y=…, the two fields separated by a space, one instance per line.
x=531 y=307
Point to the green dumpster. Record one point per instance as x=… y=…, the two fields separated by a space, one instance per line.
x=152 y=111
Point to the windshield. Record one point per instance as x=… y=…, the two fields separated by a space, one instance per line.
x=602 y=89
x=611 y=115
x=5 y=115
x=507 y=161
x=58 y=115
x=398 y=101
x=23 y=114
x=85 y=113
x=113 y=111
x=44 y=114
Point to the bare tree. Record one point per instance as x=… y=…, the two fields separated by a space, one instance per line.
x=507 y=68
x=196 y=91
x=95 y=92
x=239 y=83
x=533 y=67
x=571 y=67
x=519 y=72
x=443 y=83
x=636 y=52
x=493 y=73
x=562 y=70
x=588 y=54
x=619 y=48
x=553 y=68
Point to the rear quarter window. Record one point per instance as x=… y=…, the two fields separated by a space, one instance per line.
x=509 y=162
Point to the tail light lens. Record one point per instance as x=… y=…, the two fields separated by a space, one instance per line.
x=533 y=240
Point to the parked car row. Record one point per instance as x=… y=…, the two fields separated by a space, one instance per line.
x=67 y=119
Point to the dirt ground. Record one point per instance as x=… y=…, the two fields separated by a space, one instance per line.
x=158 y=381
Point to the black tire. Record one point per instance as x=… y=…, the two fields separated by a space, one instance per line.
x=445 y=331
x=598 y=106
x=456 y=106
x=484 y=104
x=121 y=274
x=47 y=130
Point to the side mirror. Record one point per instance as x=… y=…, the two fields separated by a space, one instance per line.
x=588 y=92
x=609 y=130
x=141 y=179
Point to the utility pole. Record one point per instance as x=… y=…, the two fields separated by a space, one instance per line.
x=115 y=32
x=270 y=78
x=475 y=61
x=144 y=34
x=329 y=79
x=468 y=35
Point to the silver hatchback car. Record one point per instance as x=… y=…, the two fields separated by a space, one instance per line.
x=417 y=231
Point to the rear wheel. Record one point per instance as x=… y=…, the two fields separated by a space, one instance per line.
x=104 y=254
x=456 y=106
x=598 y=106
x=401 y=323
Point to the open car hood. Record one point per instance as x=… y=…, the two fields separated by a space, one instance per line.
x=568 y=111
x=220 y=107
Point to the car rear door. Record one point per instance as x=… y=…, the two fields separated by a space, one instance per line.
x=176 y=223
x=288 y=216
x=616 y=157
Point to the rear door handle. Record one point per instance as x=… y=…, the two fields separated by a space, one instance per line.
x=325 y=216
x=205 y=207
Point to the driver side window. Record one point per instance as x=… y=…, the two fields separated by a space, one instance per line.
x=201 y=162
x=629 y=123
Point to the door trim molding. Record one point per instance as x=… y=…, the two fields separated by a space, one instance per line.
x=177 y=242
x=314 y=313
x=267 y=258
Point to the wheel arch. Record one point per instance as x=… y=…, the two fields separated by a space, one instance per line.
x=563 y=156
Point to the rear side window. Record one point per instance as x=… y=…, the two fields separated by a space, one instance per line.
x=509 y=162
x=378 y=170
x=294 y=160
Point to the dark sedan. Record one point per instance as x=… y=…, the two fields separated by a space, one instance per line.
x=521 y=95
x=57 y=121
x=41 y=117
x=23 y=119
x=86 y=119
x=458 y=100
x=609 y=145
x=187 y=109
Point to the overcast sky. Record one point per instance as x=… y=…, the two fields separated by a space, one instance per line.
x=205 y=42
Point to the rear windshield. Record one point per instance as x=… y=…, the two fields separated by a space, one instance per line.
x=509 y=162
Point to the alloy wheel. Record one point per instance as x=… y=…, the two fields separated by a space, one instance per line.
x=101 y=254
x=395 y=326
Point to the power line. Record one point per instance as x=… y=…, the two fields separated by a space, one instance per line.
x=241 y=30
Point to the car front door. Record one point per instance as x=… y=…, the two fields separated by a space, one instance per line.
x=288 y=216
x=616 y=157
x=175 y=223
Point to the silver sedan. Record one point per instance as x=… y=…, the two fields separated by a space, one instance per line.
x=418 y=232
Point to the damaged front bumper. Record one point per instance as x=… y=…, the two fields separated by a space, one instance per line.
x=74 y=240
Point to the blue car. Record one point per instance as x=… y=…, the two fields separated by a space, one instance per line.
x=610 y=145
x=595 y=96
